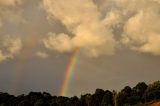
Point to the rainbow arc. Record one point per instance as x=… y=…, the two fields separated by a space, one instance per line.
x=69 y=73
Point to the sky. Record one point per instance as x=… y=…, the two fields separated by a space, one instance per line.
x=118 y=44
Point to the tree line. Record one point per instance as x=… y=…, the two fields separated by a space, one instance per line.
x=140 y=94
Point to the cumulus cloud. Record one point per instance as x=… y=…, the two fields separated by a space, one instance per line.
x=9 y=2
x=10 y=47
x=42 y=54
x=13 y=45
x=94 y=30
x=10 y=12
x=83 y=20
x=142 y=29
x=61 y=42
x=2 y=56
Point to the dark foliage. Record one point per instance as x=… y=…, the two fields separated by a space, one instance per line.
x=128 y=96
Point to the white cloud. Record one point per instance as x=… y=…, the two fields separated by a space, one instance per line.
x=94 y=30
x=13 y=45
x=2 y=56
x=152 y=45
x=10 y=2
x=61 y=42
x=10 y=48
x=42 y=54
x=82 y=19
x=11 y=12
x=142 y=30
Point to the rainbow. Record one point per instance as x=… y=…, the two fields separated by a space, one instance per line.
x=69 y=73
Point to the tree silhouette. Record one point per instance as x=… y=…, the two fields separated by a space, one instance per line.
x=140 y=94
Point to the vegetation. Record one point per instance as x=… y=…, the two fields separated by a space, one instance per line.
x=139 y=95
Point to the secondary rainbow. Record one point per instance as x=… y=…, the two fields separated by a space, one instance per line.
x=69 y=73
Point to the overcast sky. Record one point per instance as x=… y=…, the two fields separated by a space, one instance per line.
x=118 y=42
